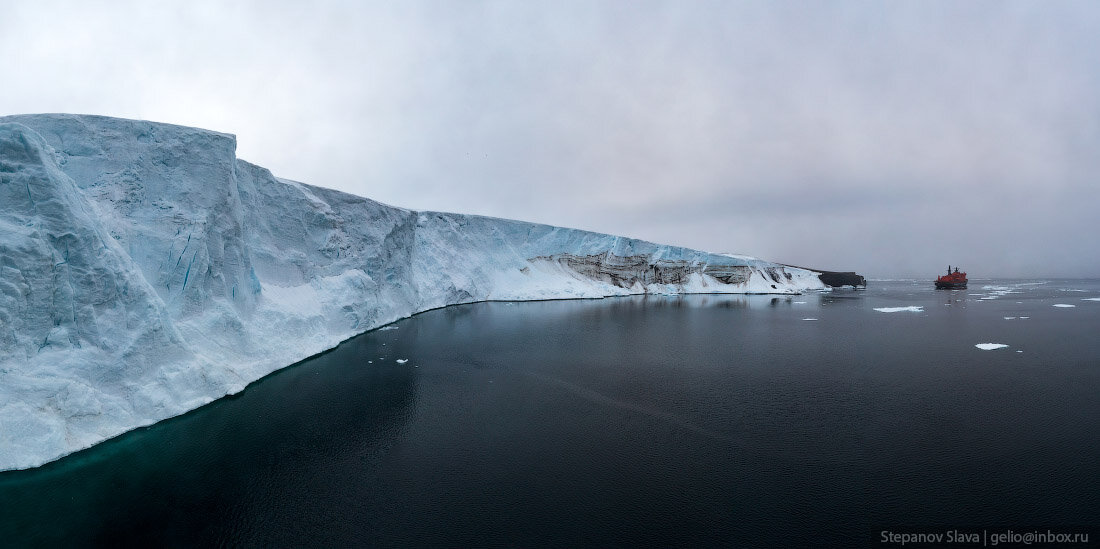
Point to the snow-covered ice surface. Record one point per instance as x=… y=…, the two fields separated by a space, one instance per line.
x=990 y=346
x=910 y=308
x=145 y=271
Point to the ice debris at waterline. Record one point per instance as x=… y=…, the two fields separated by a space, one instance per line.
x=990 y=346
x=145 y=271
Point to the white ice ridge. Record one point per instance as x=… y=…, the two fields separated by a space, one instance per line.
x=990 y=346
x=145 y=271
x=910 y=308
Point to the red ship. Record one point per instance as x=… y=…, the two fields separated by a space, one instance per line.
x=952 y=280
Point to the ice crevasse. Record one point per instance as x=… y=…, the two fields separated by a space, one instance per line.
x=145 y=270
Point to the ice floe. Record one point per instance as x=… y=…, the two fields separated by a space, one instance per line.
x=1063 y=305
x=402 y=360
x=990 y=346
x=910 y=308
x=999 y=291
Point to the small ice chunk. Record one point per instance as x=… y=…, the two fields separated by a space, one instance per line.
x=1090 y=299
x=809 y=319
x=1064 y=305
x=1010 y=318
x=910 y=308
x=990 y=346
x=799 y=302
x=384 y=328
x=1024 y=317
x=1018 y=351
x=402 y=360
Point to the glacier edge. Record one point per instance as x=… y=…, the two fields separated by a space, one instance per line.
x=145 y=270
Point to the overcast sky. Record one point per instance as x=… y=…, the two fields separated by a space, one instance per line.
x=890 y=138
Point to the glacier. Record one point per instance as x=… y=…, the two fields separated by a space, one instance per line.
x=145 y=270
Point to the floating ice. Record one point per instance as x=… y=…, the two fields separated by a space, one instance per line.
x=1063 y=305
x=1090 y=299
x=1010 y=318
x=910 y=308
x=809 y=319
x=999 y=291
x=990 y=346
x=384 y=328
x=402 y=360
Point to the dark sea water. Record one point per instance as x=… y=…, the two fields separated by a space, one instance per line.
x=695 y=420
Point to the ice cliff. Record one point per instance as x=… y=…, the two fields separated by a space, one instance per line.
x=145 y=271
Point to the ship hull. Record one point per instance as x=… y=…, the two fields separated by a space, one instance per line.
x=950 y=285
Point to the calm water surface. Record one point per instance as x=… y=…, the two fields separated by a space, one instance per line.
x=644 y=420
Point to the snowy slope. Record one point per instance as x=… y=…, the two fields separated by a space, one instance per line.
x=145 y=271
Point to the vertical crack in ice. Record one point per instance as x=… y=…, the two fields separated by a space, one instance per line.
x=188 y=273
x=184 y=251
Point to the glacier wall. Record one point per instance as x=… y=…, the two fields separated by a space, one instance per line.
x=145 y=271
